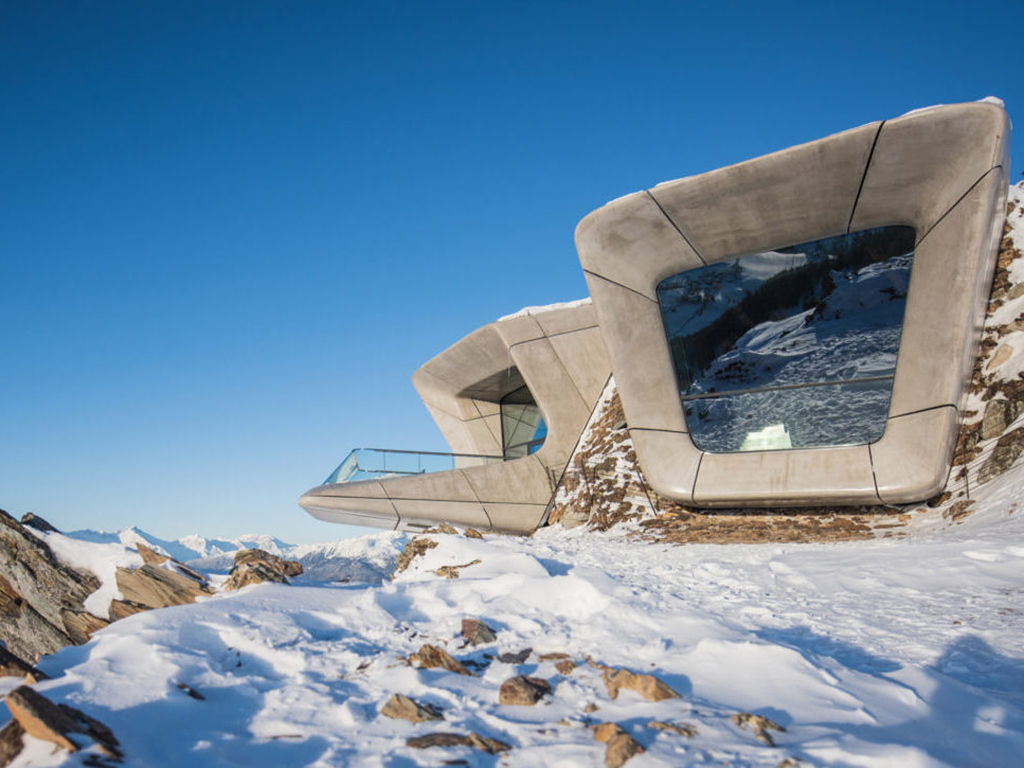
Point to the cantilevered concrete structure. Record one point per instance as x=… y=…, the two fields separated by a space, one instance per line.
x=797 y=329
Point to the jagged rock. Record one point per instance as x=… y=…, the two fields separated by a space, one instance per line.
x=443 y=528
x=999 y=414
x=517 y=657
x=474 y=740
x=473 y=533
x=432 y=657
x=122 y=609
x=255 y=566
x=648 y=686
x=11 y=742
x=12 y=666
x=35 y=590
x=412 y=550
x=683 y=729
x=150 y=556
x=401 y=707
x=56 y=723
x=35 y=521
x=1007 y=449
x=477 y=633
x=81 y=624
x=621 y=746
x=523 y=691
x=156 y=587
x=759 y=724
x=555 y=656
x=452 y=571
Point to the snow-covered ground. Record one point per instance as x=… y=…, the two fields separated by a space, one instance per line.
x=901 y=651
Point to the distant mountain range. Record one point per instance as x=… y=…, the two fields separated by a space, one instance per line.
x=186 y=548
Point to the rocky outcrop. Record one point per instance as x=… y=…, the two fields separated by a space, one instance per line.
x=621 y=746
x=410 y=552
x=35 y=521
x=41 y=599
x=452 y=571
x=523 y=691
x=472 y=740
x=255 y=566
x=475 y=632
x=432 y=657
x=12 y=666
x=400 y=707
x=60 y=724
x=154 y=587
x=759 y=725
x=647 y=686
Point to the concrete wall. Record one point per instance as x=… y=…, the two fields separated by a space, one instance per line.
x=940 y=170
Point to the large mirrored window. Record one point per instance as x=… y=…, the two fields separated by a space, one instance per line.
x=522 y=427
x=793 y=348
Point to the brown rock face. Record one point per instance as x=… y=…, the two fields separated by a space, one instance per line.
x=400 y=707
x=1007 y=449
x=55 y=723
x=648 y=686
x=155 y=587
x=523 y=690
x=759 y=724
x=12 y=666
x=452 y=571
x=11 y=742
x=81 y=624
x=35 y=592
x=474 y=740
x=477 y=633
x=254 y=566
x=683 y=729
x=621 y=746
x=150 y=556
x=412 y=550
x=432 y=657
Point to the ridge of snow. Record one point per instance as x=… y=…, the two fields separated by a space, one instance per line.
x=546 y=308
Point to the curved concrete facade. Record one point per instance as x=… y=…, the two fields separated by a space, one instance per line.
x=941 y=171
x=559 y=355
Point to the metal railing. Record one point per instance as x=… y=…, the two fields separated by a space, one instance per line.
x=370 y=463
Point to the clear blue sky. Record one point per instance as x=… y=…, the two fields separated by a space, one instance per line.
x=230 y=231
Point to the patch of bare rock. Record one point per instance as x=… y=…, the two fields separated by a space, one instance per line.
x=452 y=571
x=255 y=566
x=648 y=686
x=12 y=666
x=431 y=657
x=472 y=740
x=400 y=707
x=523 y=691
x=759 y=725
x=475 y=632
x=64 y=726
x=621 y=746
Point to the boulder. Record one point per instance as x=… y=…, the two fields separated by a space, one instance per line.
x=155 y=587
x=36 y=592
x=516 y=657
x=410 y=552
x=81 y=624
x=35 y=521
x=523 y=691
x=432 y=657
x=683 y=729
x=621 y=746
x=400 y=707
x=57 y=723
x=255 y=566
x=477 y=633
x=473 y=740
x=760 y=726
x=648 y=686
x=999 y=414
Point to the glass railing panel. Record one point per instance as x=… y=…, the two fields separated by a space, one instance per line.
x=377 y=463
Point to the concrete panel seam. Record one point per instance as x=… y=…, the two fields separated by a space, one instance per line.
x=620 y=285
x=631 y=428
x=477 y=497
x=676 y=227
x=554 y=335
x=696 y=474
x=874 y=478
x=565 y=370
x=925 y=410
x=954 y=205
x=864 y=176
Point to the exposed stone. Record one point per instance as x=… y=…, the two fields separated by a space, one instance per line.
x=12 y=666
x=412 y=550
x=1008 y=449
x=621 y=746
x=999 y=414
x=11 y=742
x=473 y=740
x=1004 y=353
x=648 y=686
x=760 y=726
x=432 y=657
x=255 y=566
x=556 y=656
x=445 y=528
x=35 y=521
x=515 y=657
x=150 y=555
x=35 y=591
x=452 y=571
x=401 y=707
x=121 y=609
x=477 y=633
x=80 y=625
x=565 y=666
x=192 y=692
x=683 y=729
x=523 y=691
x=472 y=533
x=958 y=510
x=56 y=723
x=156 y=587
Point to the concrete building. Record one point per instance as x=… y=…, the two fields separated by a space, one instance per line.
x=797 y=329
